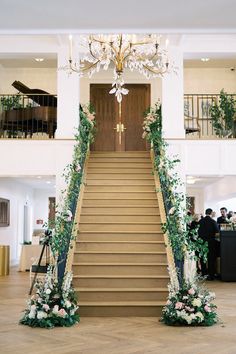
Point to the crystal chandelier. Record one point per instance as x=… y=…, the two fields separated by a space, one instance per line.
x=143 y=53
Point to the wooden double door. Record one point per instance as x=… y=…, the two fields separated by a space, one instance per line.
x=119 y=126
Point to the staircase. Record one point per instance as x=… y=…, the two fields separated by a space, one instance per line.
x=120 y=262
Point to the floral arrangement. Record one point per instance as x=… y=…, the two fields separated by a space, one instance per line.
x=53 y=304
x=190 y=305
x=232 y=220
x=181 y=239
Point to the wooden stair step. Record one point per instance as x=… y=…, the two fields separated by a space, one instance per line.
x=119 y=268
x=120 y=170
x=119 y=188
x=119 y=281
x=121 y=308
x=120 y=236
x=121 y=294
x=119 y=256
x=119 y=246
x=120 y=182
x=101 y=210
x=150 y=202
x=92 y=176
x=95 y=218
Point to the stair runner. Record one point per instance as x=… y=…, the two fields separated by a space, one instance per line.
x=120 y=261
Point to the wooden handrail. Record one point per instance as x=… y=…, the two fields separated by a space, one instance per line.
x=170 y=255
x=71 y=251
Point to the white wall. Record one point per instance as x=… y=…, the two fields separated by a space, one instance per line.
x=209 y=80
x=205 y=157
x=198 y=194
x=41 y=205
x=42 y=78
x=19 y=196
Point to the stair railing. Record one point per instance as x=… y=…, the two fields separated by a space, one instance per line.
x=163 y=209
x=75 y=231
x=66 y=225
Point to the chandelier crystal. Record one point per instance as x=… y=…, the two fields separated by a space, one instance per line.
x=143 y=53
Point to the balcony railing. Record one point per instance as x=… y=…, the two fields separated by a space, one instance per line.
x=28 y=116
x=197 y=118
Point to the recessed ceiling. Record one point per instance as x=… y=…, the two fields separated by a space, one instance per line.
x=27 y=60
x=216 y=60
x=37 y=182
x=202 y=181
x=59 y=16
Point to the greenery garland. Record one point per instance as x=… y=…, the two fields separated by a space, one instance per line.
x=181 y=239
x=55 y=303
x=188 y=302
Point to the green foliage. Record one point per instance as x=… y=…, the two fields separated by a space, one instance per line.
x=181 y=240
x=223 y=115
x=73 y=174
x=190 y=305
x=11 y=102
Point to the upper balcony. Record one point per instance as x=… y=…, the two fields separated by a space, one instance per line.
x=200 y=123
x=28 y=116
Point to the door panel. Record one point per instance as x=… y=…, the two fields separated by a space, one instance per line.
x=105 y=108
x=108 y=115
x=133 y=107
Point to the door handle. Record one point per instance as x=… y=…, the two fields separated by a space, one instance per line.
x=120 y=128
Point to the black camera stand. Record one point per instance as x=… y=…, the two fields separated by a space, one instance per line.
x=40 y=268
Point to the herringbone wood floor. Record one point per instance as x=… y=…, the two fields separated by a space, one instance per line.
x=113 y=335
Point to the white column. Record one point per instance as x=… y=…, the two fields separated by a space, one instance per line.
x=68 y=98
x=172 y=98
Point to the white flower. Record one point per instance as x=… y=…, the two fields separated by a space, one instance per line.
x=33 y=308
x=39 y=300
x=196 y=302
x=171 y=211
x=55 y=309
x=31 y=314
x=48 y=291
x=41 y=315
x=67 y=304
x=46 y=307
x=200 y=316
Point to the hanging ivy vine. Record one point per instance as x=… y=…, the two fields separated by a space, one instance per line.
x=181 y=239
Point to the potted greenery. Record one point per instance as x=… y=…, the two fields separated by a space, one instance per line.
x=223 y=115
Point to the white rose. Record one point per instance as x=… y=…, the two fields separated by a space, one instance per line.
x=55 y=309
x=48 y=291
x=196 y=302
x=31 y=314
x=200 y=316
x=67 y=304
x=41 y=314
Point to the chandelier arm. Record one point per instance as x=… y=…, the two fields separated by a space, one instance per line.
x=89 y=67
x=158 y=72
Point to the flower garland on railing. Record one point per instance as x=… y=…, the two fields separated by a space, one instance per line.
x=181 y=239
x=54 y=303
x=187 y=303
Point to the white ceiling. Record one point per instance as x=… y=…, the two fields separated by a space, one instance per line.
x=202 y=181
x=37 y=182
x=59 y=16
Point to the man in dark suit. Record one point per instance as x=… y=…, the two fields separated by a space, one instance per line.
x=223 y=218
x=207 y=231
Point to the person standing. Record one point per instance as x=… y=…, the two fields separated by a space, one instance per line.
x=208 y=229
x=223 y=218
